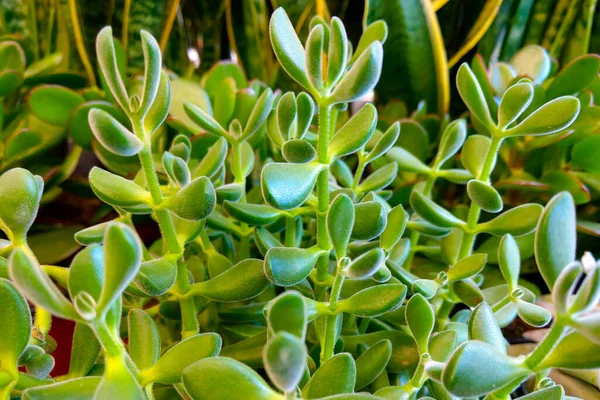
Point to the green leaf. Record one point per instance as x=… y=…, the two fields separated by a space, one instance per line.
x=555 y=392
x=287 y=313
x=379 y=179
x=84 y=351
x=452 y=140
x=355 y=133
x=337 y=55
x=516 y=221
x=112 y=135
x=19 y=190
x=471 y=93
x=86 y=272
x=362 y=76
x=152 y=72
x=298 y=151
x=259 y=113
x=107 y=60
x=421 y=320
x=555 y=238
x=377 y=31
x=485 y=196
x=159 y=110
x=287 y=47
x=476 y=368
x=213 y=160
x=385 y=142
x=406 y=161
x=340 y=220
x=467 y=267
x=509 y=260
x=82 y=388
x=532 y=61
x=565 y=285
x=285 y=359
x=588 y=294
x=374 y=301
x=195 y=201
x=585 y=154
x=431 y=212
x=575 y=351
x=314 y=57
x=143 y=339
x=287 y=186
x=122 y=260
x=203 y=119
x=468 y=292
x=370 y=219
x=54 y=104
x=118 y=381
x=243 y=281
x=157 y=276
x=514 y=102
x=397 y=219
x=337 y=375
x=169 y=367
x=176 y=169
x=254 y=214
x=532 y=314
x=483 y=327
x=118 y=191
x=222 y=378
x=372 y=363
x=575 y=76
x=187 y=98
x=367 y=264
x=15 y=336
x=473 y=153
x=288 y=266
x=29 y=278
x=552 y=117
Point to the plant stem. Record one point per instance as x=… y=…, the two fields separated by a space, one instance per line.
x=323 y=190
x=546 y=345
x=331 y=324
x=290 y=231
x=474 y=211
x=189 y=325
x=240 y=179
x=414 y=235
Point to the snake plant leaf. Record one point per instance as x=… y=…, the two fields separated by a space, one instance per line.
x=385 y=142
x=471 y=93
x=514 y=102
x=421 y=320
x=365 y=265
x=15 y=335
x=195 y=201
x=509 y=260
x=532 y=61
x=86 y=272
x=565 y=286
x=337 y=55
x=157 y=276
x=287 y=186
x=288 y=266
x=370 y=220
x=285 y=358
x=159 y=110
x=406 y=161
x=213 y=160
x=431 y=212
x=122 y=260
x=340 y=221
x=287 y=47
x=34 y=283
x=203 y=119
x=222 y=378
x=485 y=196
x=452 y=140
x=532 y=314
x=143 y=339
x=379 y=179
x=355 y=133
x=372 y=363
x=81 y=388
x=259 y=113
x=585 y=154
x=112 y=134
x=118 y=381
x=19 y=190
x=467 y=267
x=288 y=312
x=176 y=168
x=374 y=301
x=552 y=117
x=473 y=153
x=362 y=76
x=516 y=221
x=336 y=376
x=588 y=294
x=575 y=351
x=54 y=104
x=555 y=238
x=116 y=190
x=476 y=368
x=152 y=72
x=397 y=219
x=483 y=327
x=298 y=151
x=107 y=60
x=169 y=367
x=575 y=76
x=314 y=57
x=254 y=214
x=243 y=281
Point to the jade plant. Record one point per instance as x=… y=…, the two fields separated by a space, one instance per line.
x=285 y=267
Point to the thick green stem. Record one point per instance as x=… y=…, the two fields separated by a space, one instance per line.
x=290 y=231
x=240 y=179
x=323 y=191
x=167 y=228
x=474 y=211
x=546 y=345
x=414 y=235
x=331 y=326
